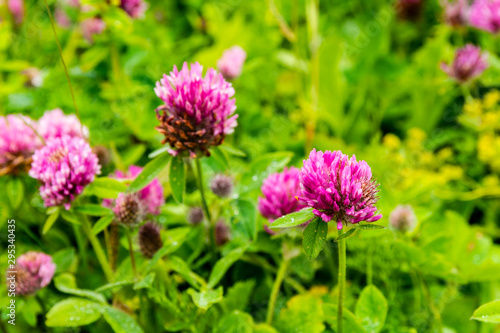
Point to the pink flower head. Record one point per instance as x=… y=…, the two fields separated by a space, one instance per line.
x=64 y=167
x=403 y=218
x=91 y=27
x=485 y=15
x=16 y=8
x=339 y=188
x=468 y=64
x=151 y=196
x=198 y=112
x=134 y=8
x=62 y=18
x=55 y=124
x=281 y=192
x=231 y=63
x=456 y=14
x=34 y=270
x=18 y=141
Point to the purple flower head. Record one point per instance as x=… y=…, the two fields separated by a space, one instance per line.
x=221 y=185
x=281 y=192
x=16 y=8
x=34 y=271
x=198 y=112
x=403 y=218
x=456 y=14
x=62 y=18
x=150 y=239
x=468 y=64
x=55 y=124
x=409 y=9
x=151 y=197
x=129 y=209
x=339 y=188
x=195 y=215
x=485 y=15
x=18 y=141
x=91 y=27
x=64 y=167
x=231 y=63
x=222 y=233
x=134 y=8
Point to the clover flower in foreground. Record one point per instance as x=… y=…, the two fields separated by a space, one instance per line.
x=64 y=167
x=231 y=63
x=281 y=191
x=198 y=112
x=92 y=26
x=339 y=188
x=485 y=15
x=34 y=270
x=55 y=124
x=16 y=8
x=150 y=197
x=468 y=64
x=403 y=218
x=134 y=8
x=18 y=141
x=456 y=14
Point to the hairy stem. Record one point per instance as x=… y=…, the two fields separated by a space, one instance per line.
x=275 y=291
x=342 y=273
x=131 y=251
x=211 y=229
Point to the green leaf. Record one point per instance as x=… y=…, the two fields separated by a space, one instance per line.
x=159 y=151
x=247 y=218
x=102 y=223
x=204 y=299
x=370 y=226
x=70 y=217
x=303 y=313
x=93 y=210
x=30 y=310
x=66 y=283
x=115 y=285
x=347 y=234
x=73 y=312
x=105 y=187
x=50 y=221
x=176 y=237
x=133 y=154
x=92 y=57
x=224 y=264
x=488 y=313
x=219 y=156
x=15 y=192
x=121 y=322
x=231 y=150
x=238 y=295
x=178 y=265
x=371 y=309
x=314 y=237
x=64 y=259
x=150 y=171
x=177 y=177
x=147 y=282
x=262 y=166
x=350 y=323
x=293 y=219
x=235 y=322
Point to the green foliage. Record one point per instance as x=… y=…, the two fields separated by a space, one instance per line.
x=489 y=312
x=314 y=237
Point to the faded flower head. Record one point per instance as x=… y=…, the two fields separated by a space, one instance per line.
x=134 y=8
x=55 y=124
x=18 y=141
x=468 y=64
x=128 y=209
x=409 y=9
x=222 y=233
x=103 y=154
x=221 y=185
x=150 y=239
x=16 y=8
x=33 y=76
x=339 y=188
x=151 y=197
x=403 y=218
x=231 y=63
x=64 y=167
x=198 y=112
x=281 y=191
x=485 y=15
x=456 y=14
x=91 y=27
x=34 y=271
x=195 y=215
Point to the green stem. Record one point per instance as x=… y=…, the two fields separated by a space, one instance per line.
x=342 y=273
x=369 y=266
x=131 y=251
x=275 y=291
x=211 y=229
x=101 y=257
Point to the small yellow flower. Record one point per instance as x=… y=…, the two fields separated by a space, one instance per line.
x=491 y=99
x=391 y=141
x=473 y=108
